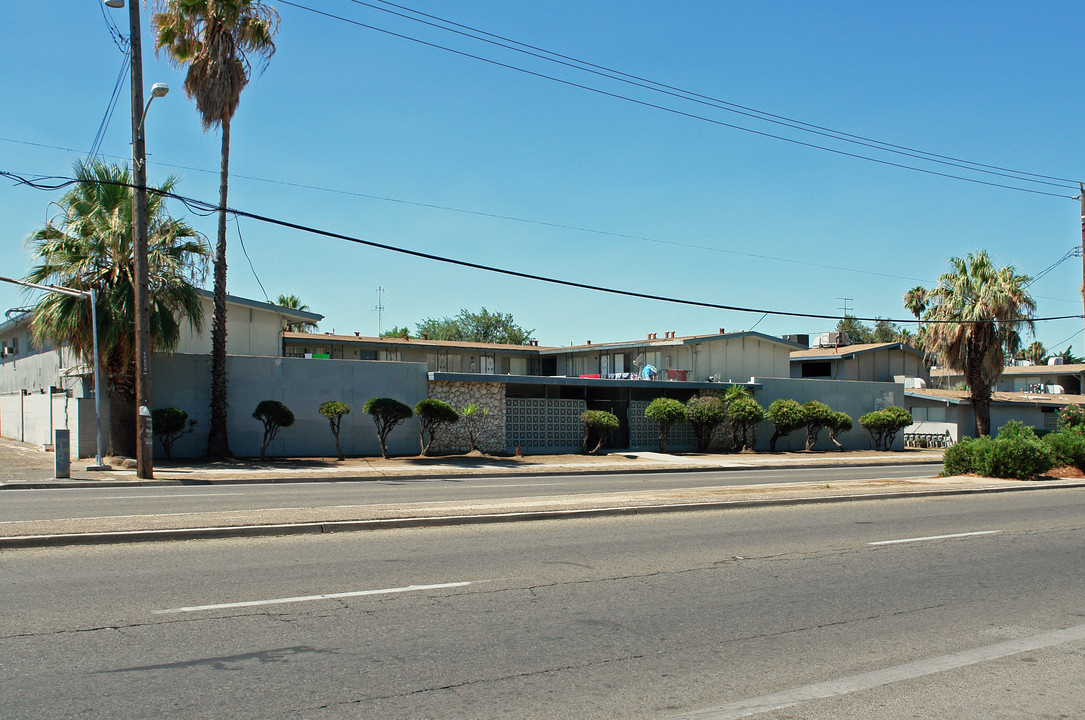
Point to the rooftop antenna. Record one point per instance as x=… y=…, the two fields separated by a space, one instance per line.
x=379 y=307
x=845 y=308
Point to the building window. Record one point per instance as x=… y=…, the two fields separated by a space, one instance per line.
x=817 y=369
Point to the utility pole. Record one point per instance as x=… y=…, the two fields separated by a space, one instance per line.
x=144 y=436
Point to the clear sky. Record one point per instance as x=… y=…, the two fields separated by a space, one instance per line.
x=367 y=134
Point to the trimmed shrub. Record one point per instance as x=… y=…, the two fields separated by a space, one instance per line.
x=961 y=457
x=883 y=425
x=600 y=421
x=818 y=416
x=432 y=414
x=839 y=423
x=387 y=413
x=786 y=416
x=705 y=413
x=169 y=425
x=666 y=412
x=745 y=414
x=275 y=416
x=333 y=411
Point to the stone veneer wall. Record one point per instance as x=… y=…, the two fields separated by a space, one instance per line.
x=453 y=438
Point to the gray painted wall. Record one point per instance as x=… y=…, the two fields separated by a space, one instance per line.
x=184 y=381
x=854 y=398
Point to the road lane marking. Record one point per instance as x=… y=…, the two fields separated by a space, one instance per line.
x=934 y=537
x=866 y=681
x=310 y=598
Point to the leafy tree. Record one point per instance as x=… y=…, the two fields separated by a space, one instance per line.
x=839 y=423
x=818 y=416
x=432 y=414
x=294 y=303
x=745 y=414
x=666 y=412
x=474 y=415
x=974 y=312
x=213 y=39
x=600 y=421
x=88 y=245
x=786 y=417
x=705 y=413
x=397 y=332
x=333 y=411
x=275 y=416
x=481 y=327
x=170 y=425
x=387 y=413
x=859 y=332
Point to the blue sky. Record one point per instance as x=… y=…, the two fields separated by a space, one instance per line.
x=366 y=134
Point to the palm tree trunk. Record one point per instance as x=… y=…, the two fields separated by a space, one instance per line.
x=122 y=406
x=218 y=444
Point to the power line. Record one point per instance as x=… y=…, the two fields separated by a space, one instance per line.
x=57 y=183
x=112 y=105
x=675 y=111
x=671 y=90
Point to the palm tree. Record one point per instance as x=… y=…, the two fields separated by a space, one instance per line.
x=916 y=301
x=1036 y=352
x=213 y=38
x=88 y=246
x=294 y=303
x=973 y=313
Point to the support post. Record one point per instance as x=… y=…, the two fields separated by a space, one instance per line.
x=144 y=439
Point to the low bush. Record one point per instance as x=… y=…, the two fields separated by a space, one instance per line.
x=1067 y=448
x=666 y=412
x=274 y=415
x=1015 y=453
x=818 y=416
x=744 y=414
x=705 y=413
x=169 y=424
x=883 y=425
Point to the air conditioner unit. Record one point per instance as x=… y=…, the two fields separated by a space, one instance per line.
x=7 y=351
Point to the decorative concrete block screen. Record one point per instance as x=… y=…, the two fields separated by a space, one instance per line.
x=644 y=433
x=543 y=426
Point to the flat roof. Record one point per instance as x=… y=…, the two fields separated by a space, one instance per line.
x=845 y=351
x=959 y=397
x=584 y=382
x=408 y=342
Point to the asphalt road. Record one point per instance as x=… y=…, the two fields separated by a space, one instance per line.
x=950 y=607
x=59 y=504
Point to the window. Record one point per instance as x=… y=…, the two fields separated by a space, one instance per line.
x=817 y=369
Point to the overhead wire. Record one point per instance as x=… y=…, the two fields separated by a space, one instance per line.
x=675 y=111
x=204 y=206
x=673 y=91
x=103 y=126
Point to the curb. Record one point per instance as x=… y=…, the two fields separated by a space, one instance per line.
x=318 y=528
x=78 y=484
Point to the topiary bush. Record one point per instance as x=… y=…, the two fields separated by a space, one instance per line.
x=275 y=416
x=666 y=412
x=883 y=425
x=745 y=414
x=432 y=414
x=839 y=423
x=333 y=411
x=818 y=416
x=705 y=413
x=169 y=425
x=387 y=413
x=600 y=421
x=786 y=416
